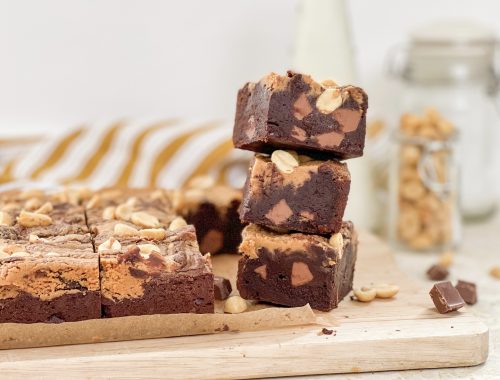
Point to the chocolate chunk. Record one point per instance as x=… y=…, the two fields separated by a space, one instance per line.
x=446 y=298
x=437 y=272
x=468 y=291
x=222 y=288
x=326 y=331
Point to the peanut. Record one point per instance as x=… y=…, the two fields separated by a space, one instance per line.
x=386 y=290
x=153 y=234
x=6 y=219
x=31 y=219
x=145 y=220
x=235 y=305
x=284 y=161
x=365 y=294
x=177 y=223
x=124 y=230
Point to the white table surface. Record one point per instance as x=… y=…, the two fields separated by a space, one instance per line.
x=480 y=250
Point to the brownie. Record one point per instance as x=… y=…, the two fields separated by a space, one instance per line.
x=213 y=210
x=150 y=262
x=295 y=112
x=310 y=197
x=296 y=269
x=36 y=213
x=146 y=276
x=50 y=280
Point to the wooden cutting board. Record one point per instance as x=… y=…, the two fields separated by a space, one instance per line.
x=402 y=333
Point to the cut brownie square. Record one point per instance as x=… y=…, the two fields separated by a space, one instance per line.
x=297 y=269
x=155 y=276
x=213 y=210
x=51 y=280
x=150 y=261
x=295 y=112
x=309 y=197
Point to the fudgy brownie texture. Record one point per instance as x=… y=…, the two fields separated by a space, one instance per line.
x=297 y=269
x=150 y=261
x=310 y=198
x=49 y=280
x=213 y=210
x=295 y=112
x=155 y=276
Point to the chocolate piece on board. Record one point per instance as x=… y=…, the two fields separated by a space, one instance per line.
x=295 y=112
x=437 y=272
x=446 y=298
x=468 y=291
x=310 y=197
x=297 y=269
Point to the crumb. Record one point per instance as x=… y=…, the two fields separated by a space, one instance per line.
x=326 y=331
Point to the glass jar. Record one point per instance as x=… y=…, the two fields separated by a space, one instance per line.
x=423 y=190
x=450 y=66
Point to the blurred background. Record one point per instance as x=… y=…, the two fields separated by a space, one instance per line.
x=127 y=92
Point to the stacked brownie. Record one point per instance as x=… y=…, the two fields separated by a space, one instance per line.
x=296 y=248
x=77 y=255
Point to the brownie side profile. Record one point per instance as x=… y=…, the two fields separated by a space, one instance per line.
x=48 y=281
x=295 y=112
x=156 y=275
x=213 y=210
x=297 y=269
x=310 y=198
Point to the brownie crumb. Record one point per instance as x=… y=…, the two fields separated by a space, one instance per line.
x=326 y=331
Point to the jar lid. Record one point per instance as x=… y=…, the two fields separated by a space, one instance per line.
x=450 y=51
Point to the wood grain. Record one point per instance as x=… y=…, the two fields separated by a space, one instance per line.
x=403 y=333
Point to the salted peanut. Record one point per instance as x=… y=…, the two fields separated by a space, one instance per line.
x=495 y=272
x=123 y=230
x=421 y=242
x=235 y=305
x=158 y=194
x=32 y=193
x=109 y=245
x=412 y=190
x=94 y=202
x=123 y=211
x=10 y=207
x=147 y=249
x=410 y=154
x=145 y=220
x=46 y=208
x=132 y=201
x=445 y=128
x=409 y=224
x=329 y=100
x=108 y=213
x=337 y=241
x=201 y=182
x=6 y=219
x=177 y=223
x=410 y=123
x=153 y=234
x=446 y=259
x=386 y=290
x=365 y=294
x=284 y=161
x=329 y=83
x=31 y=219
x=20 y=254
x=52 y=254
x=32 y=204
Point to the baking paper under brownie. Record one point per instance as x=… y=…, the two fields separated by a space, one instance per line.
x=297 y=269
x=295 y=112
x=311 y=197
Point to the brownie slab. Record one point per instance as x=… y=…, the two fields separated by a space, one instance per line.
x=155 y=276
x=213 y=210
x=295 y=112
x=309 y=197
x=52 y=280
x=297 y=269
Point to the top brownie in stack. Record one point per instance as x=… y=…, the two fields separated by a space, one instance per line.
x=295 y=112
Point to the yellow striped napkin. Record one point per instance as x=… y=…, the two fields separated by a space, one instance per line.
x=165 y=153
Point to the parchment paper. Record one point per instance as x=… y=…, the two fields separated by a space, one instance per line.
x=257 y=317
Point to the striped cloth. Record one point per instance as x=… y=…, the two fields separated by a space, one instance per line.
x=165 y=153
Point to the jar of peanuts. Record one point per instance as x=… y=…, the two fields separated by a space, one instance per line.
x=424 y=210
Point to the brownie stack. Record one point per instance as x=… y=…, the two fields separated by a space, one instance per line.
x=296 y=248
